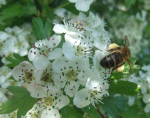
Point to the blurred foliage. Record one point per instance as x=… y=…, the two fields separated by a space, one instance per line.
x=21 y=101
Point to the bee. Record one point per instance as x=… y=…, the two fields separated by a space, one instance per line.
x=118 y=56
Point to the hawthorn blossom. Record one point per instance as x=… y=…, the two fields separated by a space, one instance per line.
x=5 y=73
x=49 y=105
x=96 y=88
x=45 y=50
x=70 y=74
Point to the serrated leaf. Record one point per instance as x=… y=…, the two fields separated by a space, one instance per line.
x=113 y=105
x=15 y=60
x=40 y=30
x=22 y=102
x=123 y=87
x=71 y=112
x=18 y=57
x=11 y=11
x=91 y=111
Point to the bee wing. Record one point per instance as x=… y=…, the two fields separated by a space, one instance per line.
x=131 y=65
x=126 y=42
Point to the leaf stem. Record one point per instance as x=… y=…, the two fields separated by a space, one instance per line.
x=99 y=112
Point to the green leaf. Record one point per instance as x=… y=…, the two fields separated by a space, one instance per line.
x=129 y=3
x=40 y=30
x=15 y=60
x=113 y=105
x=71 y=112
x=123 y=87
x=135 y=111
x=18 y=57
x=22 y=102
x=92 y=111
x=10 y=12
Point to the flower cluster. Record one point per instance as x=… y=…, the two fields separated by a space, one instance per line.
x=13 y=40
x=67 y=66
x=132 y=26
x=143 y=81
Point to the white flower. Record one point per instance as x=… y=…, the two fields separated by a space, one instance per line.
x=131 y=100
x=43 y=51
x=34 y=112
x=10 y=115
x=82 y=47
x=147 y=108
x=70 y=74
x=82 y=5
x=146 y=98
x=2 y=2
x=52 y=103
x=71 y=28
x=24 y=72
x=94 y=91
x=5 y=73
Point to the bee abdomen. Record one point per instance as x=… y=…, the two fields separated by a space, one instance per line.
x=111 y=60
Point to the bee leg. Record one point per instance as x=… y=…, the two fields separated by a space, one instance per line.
x=130 y=65
x=113 y=47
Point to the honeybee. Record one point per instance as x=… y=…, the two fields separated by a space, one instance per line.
x=118 y=56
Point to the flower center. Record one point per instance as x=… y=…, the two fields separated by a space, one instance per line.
x=34 y=115
x=71 y=75
x=19 y=44
x=28 y=76
x=47 y=78
x=79 y=51
x=48 y=101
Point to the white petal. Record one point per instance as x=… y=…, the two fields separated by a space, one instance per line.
x=59 y=80
x=68 y=50
x=82 y=98
x=50 y=113
x=32 y=54
x=79 y=63
x=83 y=5
x=53 y=41
x=147 y=108
x=71 y=89
x=60 y=64
x=40 y=62
x=61 y=102
x=146 y=98
x=17 y=71
x=59 y=28
x=36 y=90
x=55 y=54
x=3 y=35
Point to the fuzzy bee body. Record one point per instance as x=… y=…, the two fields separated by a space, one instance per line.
x=118 y=56
x=112 y=60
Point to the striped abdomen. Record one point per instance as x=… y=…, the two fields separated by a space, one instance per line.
x=112 y=60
